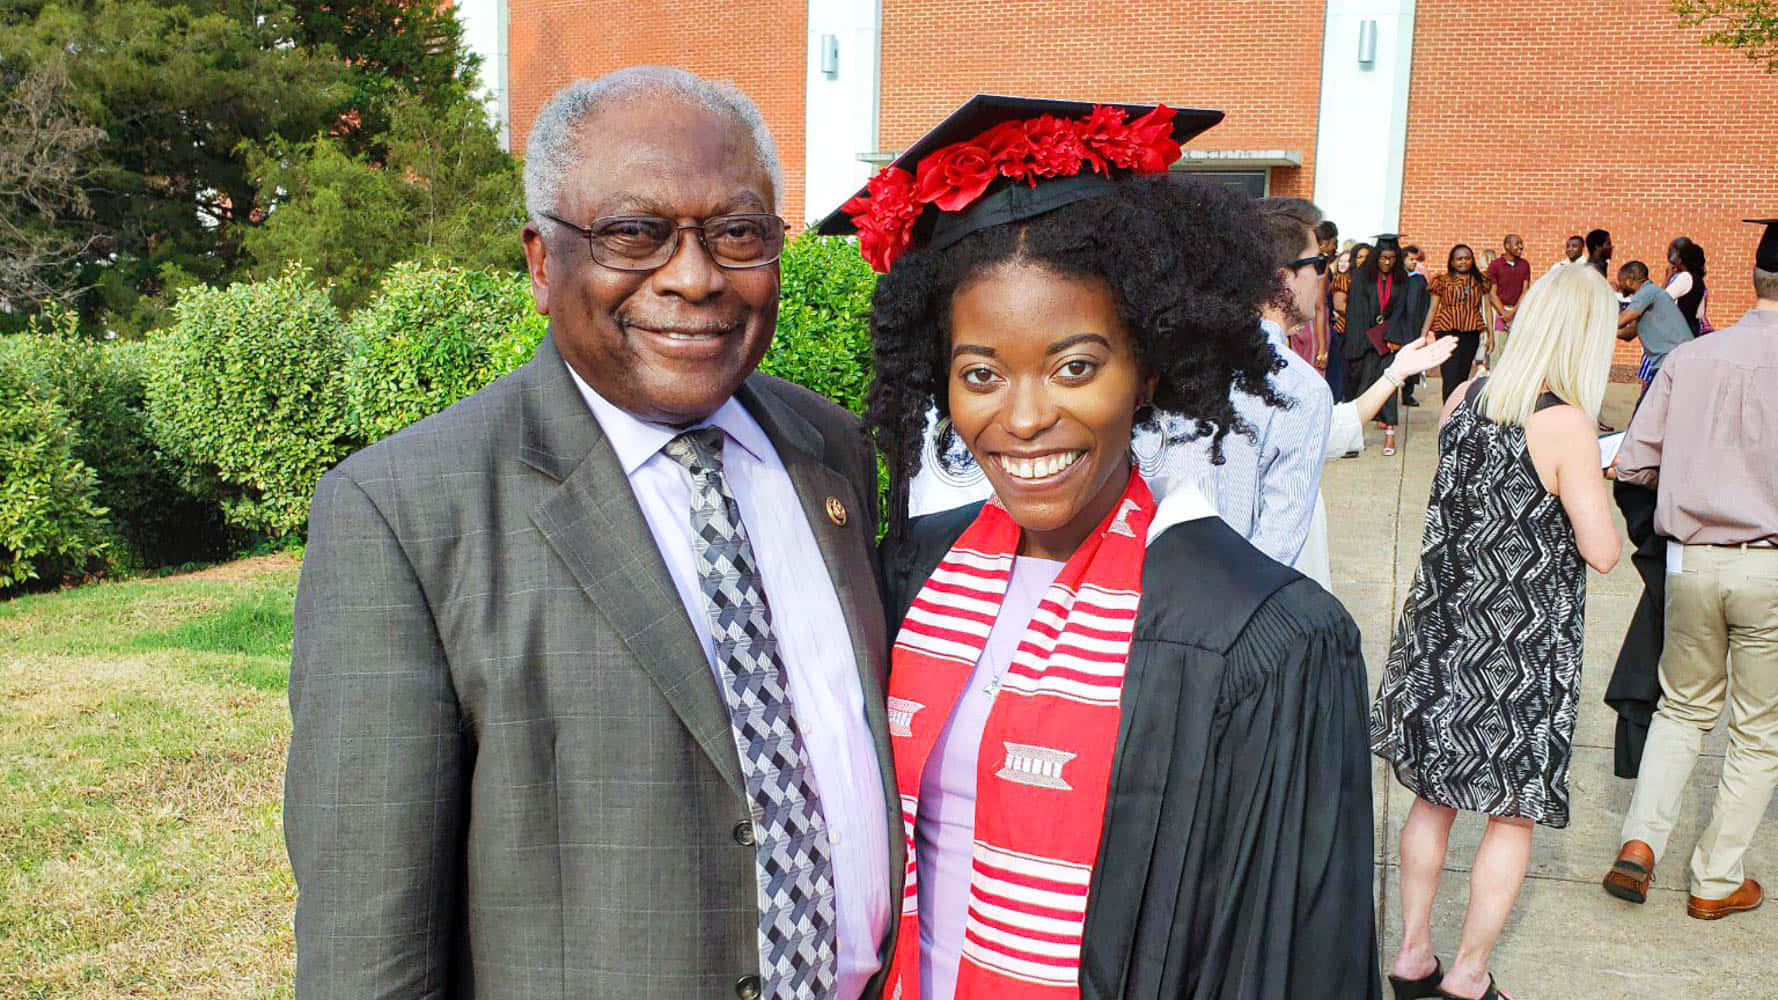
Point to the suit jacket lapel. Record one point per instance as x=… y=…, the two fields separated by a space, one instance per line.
x=592 y=520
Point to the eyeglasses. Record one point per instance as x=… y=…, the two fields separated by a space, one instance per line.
x=1319 y=260
x=645 y=242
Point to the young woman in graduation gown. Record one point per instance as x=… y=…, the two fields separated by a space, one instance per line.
x=1131 y=749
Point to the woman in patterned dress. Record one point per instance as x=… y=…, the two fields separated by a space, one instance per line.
x=1477 y=706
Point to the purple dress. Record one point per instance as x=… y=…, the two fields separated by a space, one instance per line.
x=944 y=834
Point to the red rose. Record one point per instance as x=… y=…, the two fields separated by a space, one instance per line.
x=954 y=176
x=1010 y=150
x=1144 y=146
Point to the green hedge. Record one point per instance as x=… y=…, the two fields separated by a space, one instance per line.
x=430 y=337
x=51 y=524
x=823 y=340
x=246 y=391
x=153 y=521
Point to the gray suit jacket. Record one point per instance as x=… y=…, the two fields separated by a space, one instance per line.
x=511 y=774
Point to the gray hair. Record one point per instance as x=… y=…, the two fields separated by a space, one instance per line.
x=552 y=146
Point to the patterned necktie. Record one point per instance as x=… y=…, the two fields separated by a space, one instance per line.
x=796 y=889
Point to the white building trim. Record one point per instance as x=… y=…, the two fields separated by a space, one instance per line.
x=1361 y=142
x=485 y=31
x=840 y=101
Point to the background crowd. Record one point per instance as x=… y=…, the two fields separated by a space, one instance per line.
x=1397 y=297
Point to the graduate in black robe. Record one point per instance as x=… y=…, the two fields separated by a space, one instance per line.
x=1043 y=318
x=1635 y=687
x=1236 y=859
x=1365 y=308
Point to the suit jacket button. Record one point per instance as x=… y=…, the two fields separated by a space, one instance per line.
x=744 y=837
x=747 y=988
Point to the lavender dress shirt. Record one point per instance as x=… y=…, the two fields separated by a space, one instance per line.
x=944 y=834
x=812 y=639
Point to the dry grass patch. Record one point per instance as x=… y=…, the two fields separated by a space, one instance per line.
x=140 y=779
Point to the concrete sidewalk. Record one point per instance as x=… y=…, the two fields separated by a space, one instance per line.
x=1567 y=938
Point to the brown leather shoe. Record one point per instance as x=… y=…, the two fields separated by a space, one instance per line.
x=1748 y=897
x=1631 y=873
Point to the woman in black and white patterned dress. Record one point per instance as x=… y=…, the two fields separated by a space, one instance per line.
x=1477 y=706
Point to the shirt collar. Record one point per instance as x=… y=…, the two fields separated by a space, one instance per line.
x=1274 y=334
x=636 y=440
x=1761 y=317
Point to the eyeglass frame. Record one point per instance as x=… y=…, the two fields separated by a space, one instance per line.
x=587 y=232
x=1320 y=261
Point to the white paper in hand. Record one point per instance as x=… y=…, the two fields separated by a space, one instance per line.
x=1608 y=448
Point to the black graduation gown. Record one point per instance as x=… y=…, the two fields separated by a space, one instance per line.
x=1635 y=686
x=1236 y=857
x=1407 y=311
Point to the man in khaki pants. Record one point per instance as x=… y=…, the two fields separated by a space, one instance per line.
x=1707 y=435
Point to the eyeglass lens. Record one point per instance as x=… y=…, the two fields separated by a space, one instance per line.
x=637 y=242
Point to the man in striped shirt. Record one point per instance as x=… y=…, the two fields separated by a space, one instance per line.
x=1267 y=487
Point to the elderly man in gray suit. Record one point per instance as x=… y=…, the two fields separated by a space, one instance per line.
x=589 y=668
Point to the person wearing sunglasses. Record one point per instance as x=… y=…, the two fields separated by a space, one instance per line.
x=1268 y=484
x=587 y=685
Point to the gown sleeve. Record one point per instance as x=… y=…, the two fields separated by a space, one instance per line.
x=1285 y=907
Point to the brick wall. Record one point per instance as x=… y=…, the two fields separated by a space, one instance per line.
x=1555 y=118
x=759 y=45
x=1260 y=62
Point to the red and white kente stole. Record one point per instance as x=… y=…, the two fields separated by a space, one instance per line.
x=1045 y=764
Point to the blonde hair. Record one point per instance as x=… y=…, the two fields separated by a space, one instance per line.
x=1562 y=337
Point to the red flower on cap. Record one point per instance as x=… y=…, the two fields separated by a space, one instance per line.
x=953 y=177
x=1056 y=144
x=1145 y=145
x=884 y=216
x=1009 y=144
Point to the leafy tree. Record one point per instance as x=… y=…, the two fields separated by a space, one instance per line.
x=393 y=49
x=1748 y=25
x=447 y=192
x=185 y=93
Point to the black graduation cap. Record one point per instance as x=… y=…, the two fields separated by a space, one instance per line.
x=1766 y=257
x=1388 y=241
x=1007 y=200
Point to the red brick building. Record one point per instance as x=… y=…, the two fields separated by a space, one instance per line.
x=1448 y=121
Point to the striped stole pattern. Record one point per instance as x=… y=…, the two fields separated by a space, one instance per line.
x=1044 y=766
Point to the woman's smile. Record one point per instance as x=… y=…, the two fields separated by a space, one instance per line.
x=1039 y=470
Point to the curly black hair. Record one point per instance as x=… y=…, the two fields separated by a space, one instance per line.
x=1187 y=261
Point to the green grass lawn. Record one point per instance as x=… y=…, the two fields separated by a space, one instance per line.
x=142 y=736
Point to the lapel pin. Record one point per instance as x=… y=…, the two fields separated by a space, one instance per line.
x=836 y=511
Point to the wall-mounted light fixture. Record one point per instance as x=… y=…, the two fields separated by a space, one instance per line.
x=1367 y=42
x=830 y=55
